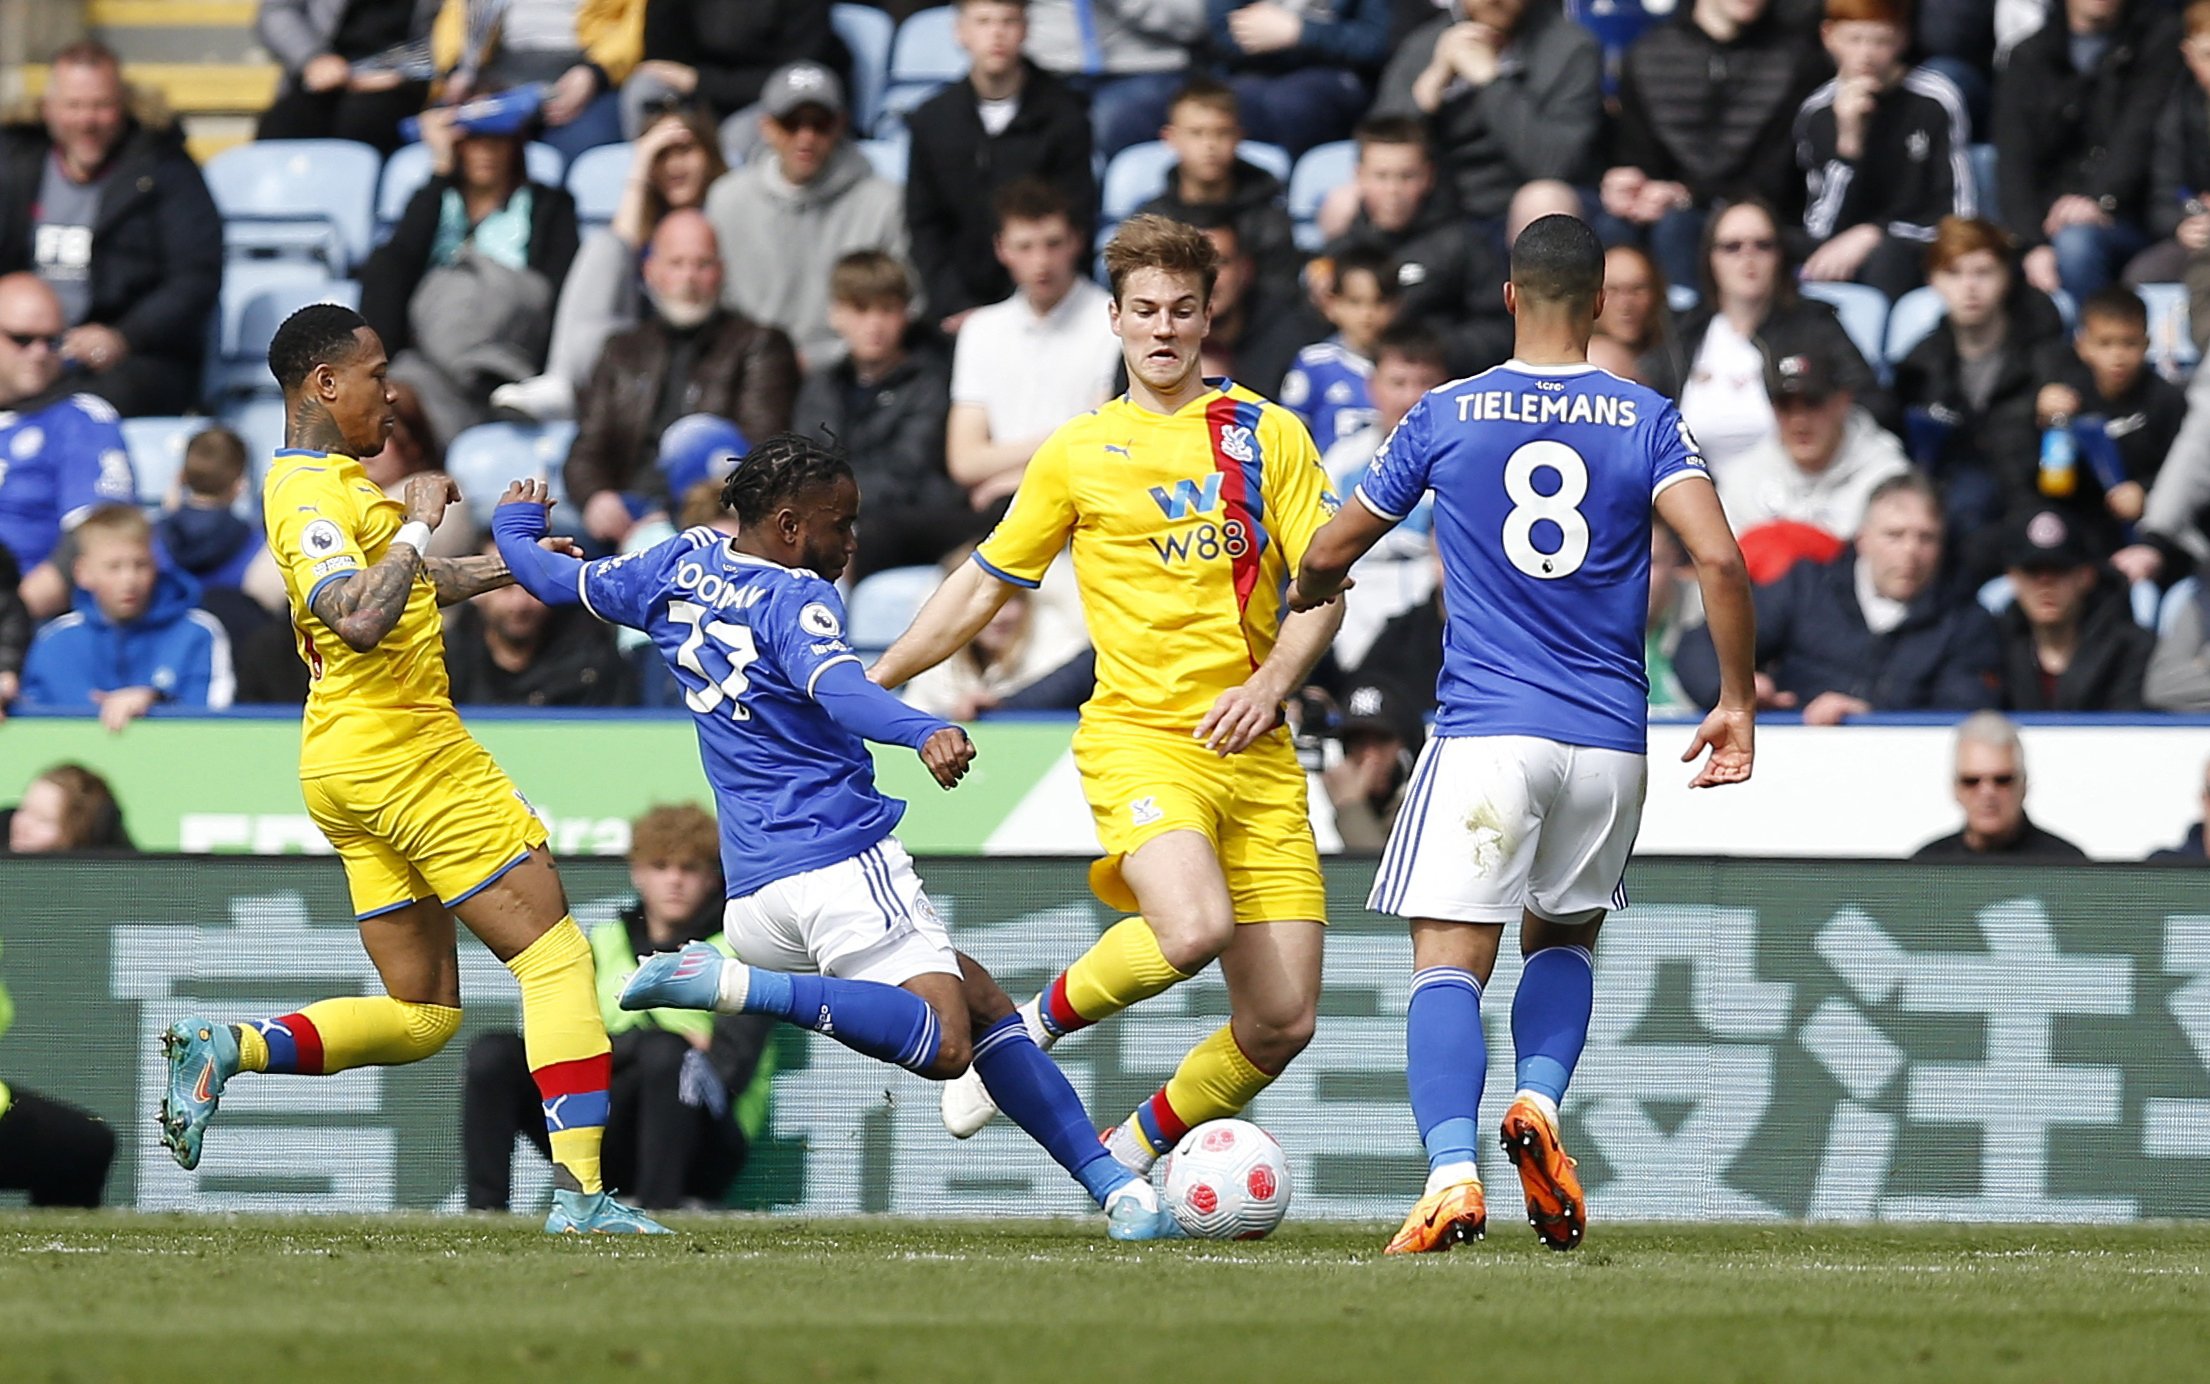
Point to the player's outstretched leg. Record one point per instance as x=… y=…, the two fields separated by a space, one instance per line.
x=885 y=1022
x=1550 y=1018
x=1445 y=1058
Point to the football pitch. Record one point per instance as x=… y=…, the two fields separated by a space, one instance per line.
x=415 y=1298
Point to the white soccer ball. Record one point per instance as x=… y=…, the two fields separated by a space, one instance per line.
x=1228 y=1180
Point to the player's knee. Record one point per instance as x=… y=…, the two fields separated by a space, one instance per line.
x=1272 y=1041
x=429 y=1028
x=1191 y=940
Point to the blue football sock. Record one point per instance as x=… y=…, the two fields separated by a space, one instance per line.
x=1557 y=990
x=882 y=1021
x=1446 y=1057
x=1029 y=1087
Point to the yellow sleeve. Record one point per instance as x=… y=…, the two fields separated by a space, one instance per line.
x=1298 y=500
x=448 y=35
x=314 y=534
x=1035 y=530
x=612 y=35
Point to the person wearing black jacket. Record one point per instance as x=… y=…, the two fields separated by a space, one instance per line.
x=2075 y=117
x=347 y=73
x=2179 y=170
x=110 y=210
x=507 y=648
x=1448 y=278
x=2069 y=638
x=2100 y=380
x=1991 y=788
x=1873 y=630
x=1706 y=101
x=1008 y=119
x=1210 y=184
x=719 y=53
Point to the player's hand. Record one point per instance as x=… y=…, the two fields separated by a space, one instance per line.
x=1240 y=717
x=948 y=753
x=1300 y=600
x=124 y=705
x=426 y=494
x=1730 y=733
x=1833 y=708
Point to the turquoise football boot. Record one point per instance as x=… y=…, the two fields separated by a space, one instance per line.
x=203 y=1056
x=596 y=1213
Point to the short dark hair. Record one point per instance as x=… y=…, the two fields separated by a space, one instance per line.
x=1558 y=259
x=2116 y=302
x=780 y=469
x=1157 y=242
x=1030 y=199
x=213 y=461
x=1367 y=259
x=1208 y=93
x=1392 y=129
x=318 y=334
x=1913 y=482
x=865 y=278
x=1415 y=344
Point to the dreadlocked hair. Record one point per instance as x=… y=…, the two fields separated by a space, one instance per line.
x=779 y=470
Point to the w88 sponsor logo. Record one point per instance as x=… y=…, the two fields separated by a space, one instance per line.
x=1208 y=542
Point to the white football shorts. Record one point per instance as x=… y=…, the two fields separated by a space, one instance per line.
x=865 y=918
x=1492 y=824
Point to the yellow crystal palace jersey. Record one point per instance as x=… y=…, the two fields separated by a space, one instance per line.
x=326 y=519
x=1186 y=527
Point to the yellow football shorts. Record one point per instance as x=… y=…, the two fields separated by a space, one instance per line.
x=443 y=827
x=1142 y=782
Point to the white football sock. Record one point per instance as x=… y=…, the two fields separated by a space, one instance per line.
x=1450 y=1175
x=1547 y=1106
x=736 y=986
x=1032 y=1015
x=1126 y=1143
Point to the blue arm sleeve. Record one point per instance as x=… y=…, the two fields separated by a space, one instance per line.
x=866 y=710
x=553 y=578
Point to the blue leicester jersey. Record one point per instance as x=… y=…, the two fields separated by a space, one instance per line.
x=1543 y=478
x=747 y=639
x=1327 y=387
x=57 y=464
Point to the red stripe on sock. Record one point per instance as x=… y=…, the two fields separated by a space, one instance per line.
x=1062 y=1012
x=308 y=1040
x=575 y=1078
x=1171 y=1126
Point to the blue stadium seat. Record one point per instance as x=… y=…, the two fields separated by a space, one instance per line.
x=1323 y=168
x=409 y=168
x=1914 y=315
x=888 y=156
x=257 y=295
x=923 y=57
x=2149 y=611
x=595 y=180
x=885 y=602
x=1682 y=298
x=1137 y=173
x=2175 y=600
x=867 y=33
x=1616 y=24
x=296 y=198
x=483 y=459
x=2171 y=339
x=259 y=420
x=156 y=447
x=1986 y=191
x=1864 y=314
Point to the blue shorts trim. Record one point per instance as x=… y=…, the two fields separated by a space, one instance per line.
x=392 y=908
x=1006 y=576
x=493 y=878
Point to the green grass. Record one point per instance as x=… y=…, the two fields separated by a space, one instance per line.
x=416 y=1299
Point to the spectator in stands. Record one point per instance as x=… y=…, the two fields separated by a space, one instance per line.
x=1326 y=387
x=2124 y=414
x=15 y=631
x=1957 y=39
x=50 y=1149
x=65 y=808
x=885 y=405
x=2193 y=849
x=1024 y=366
x=199 y=528
x=136 y=639
x=64 y=451
x=107 y=207
x=1715 y=366
x=1398 y=572
x=1302 y=73
x=1380 y=736
x=2069 y=639
x=2179 y=169
x=353 y=69
x=1128 y=56
x=718 y=54
x=1255 y=335
x=462 y=294
x=1536 y=200
x=1636 y=321
x=507 y=648
x=582 y=50
x=1014 y=653
x=1968 y=388
x=676 y=159
x=1007 y=119
x=1991 y=788
x=1884 y=148
x=691 y=355
x=1452 y=280
x=1511 y=92
x=1872 y=630
x=2075 y=117
x=2178 y=678
x=1210 y=182
x=1408 y=653
x=786 y=218
x=1676 y=606
x=1826 y=461
x=689 y=1090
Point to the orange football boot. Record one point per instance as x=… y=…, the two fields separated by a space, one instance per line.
x=1449 y=1216
x=1546 y=1176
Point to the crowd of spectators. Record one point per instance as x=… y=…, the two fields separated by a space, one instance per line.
x=1990 y=518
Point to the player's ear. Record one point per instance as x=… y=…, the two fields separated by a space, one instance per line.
x=1511 y=298
x=1597 y=311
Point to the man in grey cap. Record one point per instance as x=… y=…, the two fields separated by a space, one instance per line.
x=1822 y=463
x=786 y=218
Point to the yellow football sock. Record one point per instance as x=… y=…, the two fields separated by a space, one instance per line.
x=331 y=1036
x=1120 y=968
x=564 y=1040
x=1214 y=1082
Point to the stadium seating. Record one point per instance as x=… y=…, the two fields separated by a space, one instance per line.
x=1323 y=168
x=257 y=296
x=485 y=458
x=258 y=419
x=156 y=447
x=595 y=180
x=296 y=199
x=888 y=156
x=1864 y=314
x=2175 y=600
x=885 y=602
x=1914 y=315
x=2150 y=610
x=1138 y=173
x=1616 y=24
x=923 y=57
x=2171 y=340
x=409 y=168
x=867 y=33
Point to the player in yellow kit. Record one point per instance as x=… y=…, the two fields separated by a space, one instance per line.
x=426 y=824
x=1189 y=503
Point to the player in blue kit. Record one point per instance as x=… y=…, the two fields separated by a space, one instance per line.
x=831 y=927
x=1525 y=803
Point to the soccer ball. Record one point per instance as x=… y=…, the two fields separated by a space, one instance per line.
x=1228 y=1180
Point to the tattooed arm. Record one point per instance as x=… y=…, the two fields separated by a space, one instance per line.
x=458 y=578
x=362 y=609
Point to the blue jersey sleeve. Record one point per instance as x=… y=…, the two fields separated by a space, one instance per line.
x=95 y=468
x=1673 y=451
x=621 y=590
x=803 y=630
x=1394 y=483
